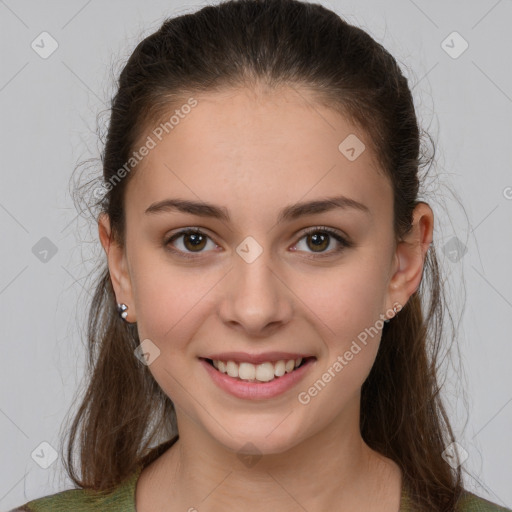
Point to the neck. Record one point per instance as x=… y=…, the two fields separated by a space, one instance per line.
x=333 y=466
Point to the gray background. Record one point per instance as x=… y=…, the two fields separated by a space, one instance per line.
x=49 y=109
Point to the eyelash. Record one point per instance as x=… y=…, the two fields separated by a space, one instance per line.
x=344 y=244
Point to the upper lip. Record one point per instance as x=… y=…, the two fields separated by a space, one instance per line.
x=244 y=357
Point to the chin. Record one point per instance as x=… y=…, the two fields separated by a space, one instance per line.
x=257 y=439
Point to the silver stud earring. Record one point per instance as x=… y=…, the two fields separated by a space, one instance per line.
x=395 y=311
x=121 y=309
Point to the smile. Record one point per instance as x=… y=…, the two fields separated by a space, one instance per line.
x=259 y=381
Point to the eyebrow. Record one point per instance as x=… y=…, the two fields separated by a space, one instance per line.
x=288 y=213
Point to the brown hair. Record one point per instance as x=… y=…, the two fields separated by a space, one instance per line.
x=242 y=43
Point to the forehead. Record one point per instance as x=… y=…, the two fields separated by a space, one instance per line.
x=259 y=150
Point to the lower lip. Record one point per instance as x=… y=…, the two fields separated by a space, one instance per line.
x=257 y=390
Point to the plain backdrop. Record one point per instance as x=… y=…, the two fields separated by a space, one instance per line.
x=457 y=57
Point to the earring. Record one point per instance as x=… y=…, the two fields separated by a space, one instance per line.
x=395 y=310
x=121 y=309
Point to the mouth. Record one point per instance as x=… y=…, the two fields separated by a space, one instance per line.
x=264 y=372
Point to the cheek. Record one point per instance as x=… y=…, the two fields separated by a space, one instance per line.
x=344 y=301
x=166 y=303
x=345 y=308
x=170 y=308
x=172 y=301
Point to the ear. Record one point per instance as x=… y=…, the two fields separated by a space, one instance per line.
x=410 y=256
x=117 y=266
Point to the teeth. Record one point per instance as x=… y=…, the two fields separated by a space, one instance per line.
x=247 y=371
x=264 y=372
x=279 y=368
x=232 y=369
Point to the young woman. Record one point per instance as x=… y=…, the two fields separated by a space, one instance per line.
x=265 y=333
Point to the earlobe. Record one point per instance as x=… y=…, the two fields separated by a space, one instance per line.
x=410 y=255
x=117 y=265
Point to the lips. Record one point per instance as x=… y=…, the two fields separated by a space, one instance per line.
x=253 y=389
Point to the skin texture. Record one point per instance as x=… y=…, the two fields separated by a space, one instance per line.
x=255 y=152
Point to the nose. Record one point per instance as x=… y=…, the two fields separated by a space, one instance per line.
x=255 y=298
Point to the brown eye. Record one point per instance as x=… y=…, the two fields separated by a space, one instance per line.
x=193 y=241
x=318 y=239
x=319 y=242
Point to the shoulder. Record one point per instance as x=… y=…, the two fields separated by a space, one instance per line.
x=121 y=498
x=72 y=499
x=76 y=500
x=470 y=502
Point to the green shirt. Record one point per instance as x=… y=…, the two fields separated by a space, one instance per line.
x=122 y=499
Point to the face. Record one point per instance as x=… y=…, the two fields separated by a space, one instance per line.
x=264 y=280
